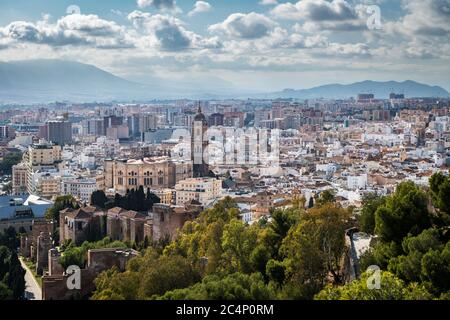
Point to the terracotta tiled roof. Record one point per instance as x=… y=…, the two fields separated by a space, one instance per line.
x=66 y=210
x=115 y=211
x=132 y=215
x=80 y=214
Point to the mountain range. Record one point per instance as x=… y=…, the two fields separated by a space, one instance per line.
x=381 y=90
x=40 y=81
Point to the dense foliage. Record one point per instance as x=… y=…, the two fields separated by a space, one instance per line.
x=413 y=245
x=391 y=288
x=9 y=160
x=298 y=253
x=61 y=202
x=136 y=200
x=73 y=255
x=218 y=256
x=12 y=275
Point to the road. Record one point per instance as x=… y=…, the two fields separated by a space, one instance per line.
x=32 y=289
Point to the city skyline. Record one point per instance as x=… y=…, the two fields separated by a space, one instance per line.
x=257 y=45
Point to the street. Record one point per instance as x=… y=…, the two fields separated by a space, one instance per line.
x=32 y=289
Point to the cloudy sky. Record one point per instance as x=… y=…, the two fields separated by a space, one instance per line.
x=259 y=45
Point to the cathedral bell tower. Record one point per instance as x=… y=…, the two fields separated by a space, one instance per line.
x=199 y=145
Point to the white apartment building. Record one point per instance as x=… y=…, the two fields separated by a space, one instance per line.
x=79 y=188
x=204 y=190
x=328 y=168
x=45 y=183
x=357 y=182
x=38 y=172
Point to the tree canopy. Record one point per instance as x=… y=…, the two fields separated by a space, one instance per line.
x=391 y=288
x=413 y=243
x=295 y=253
x=73 y=255
x=9 y=160
x=12 y=275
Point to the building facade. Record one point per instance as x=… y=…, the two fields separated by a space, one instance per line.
x=203 y=190
x=19 y=178
x=59 y=132
x=80 y=188
x=153 y=173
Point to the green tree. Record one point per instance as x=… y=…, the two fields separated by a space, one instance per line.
x=326 y=197
x=436 y=269
x=313 y=249
x=405 y=212
x=7 y=187
x=73 y=255
x=391 y=288
x=136 y=200
x=99 y=199
x=282 y=221
x=380 y=255
x=201 y=240
x=12 y=275
x=151 y=199
x=146 y=278
x=5 y=292
x=114 y=285
x=235 y=286
x=276 y=271
x=440 y=195
x=10 y=160
x=15 y=278
x=10 y=239
x=259 y=258
x=409 y=265
x=61 y=202
x=238 y=242
x=371 y=202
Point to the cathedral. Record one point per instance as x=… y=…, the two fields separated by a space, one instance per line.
x=199 y=145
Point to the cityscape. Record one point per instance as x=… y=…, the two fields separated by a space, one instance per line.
x=220 y=150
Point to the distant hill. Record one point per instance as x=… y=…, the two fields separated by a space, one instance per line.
x=51 y=80
x=41 y=81
x=381 y=90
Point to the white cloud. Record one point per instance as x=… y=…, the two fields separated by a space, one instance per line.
x=348 y=49
x=315 y=10
x=168 y=33
x=245 y=26
x=318 y=15
x=74 y=29
x=159 y=4
x=200 y=7
x=424 y=18
x=268 y=2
